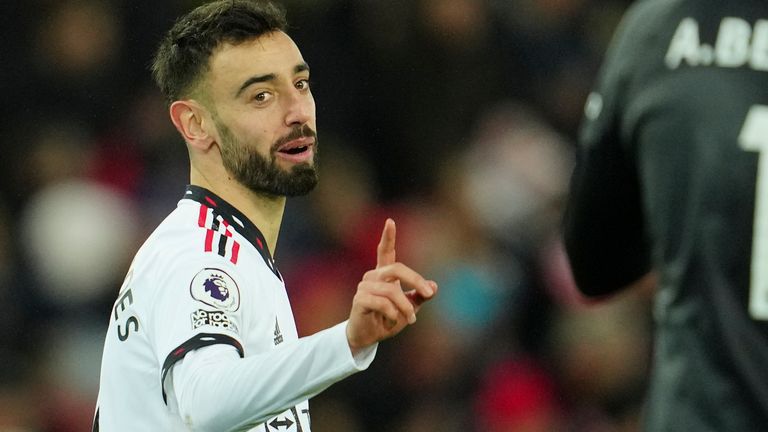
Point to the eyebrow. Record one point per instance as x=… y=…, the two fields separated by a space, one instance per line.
x=301 y=67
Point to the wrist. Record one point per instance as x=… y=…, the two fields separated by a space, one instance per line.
x=354 y=346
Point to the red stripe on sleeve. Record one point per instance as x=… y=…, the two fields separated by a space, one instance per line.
x=235 y=252
x=227 y=232
x=208 y=240
x=203 y=216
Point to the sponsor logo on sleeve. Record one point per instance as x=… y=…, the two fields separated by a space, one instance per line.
x=215 y=288
x=218 y=319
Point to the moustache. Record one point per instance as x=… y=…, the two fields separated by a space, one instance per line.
x=303 y=131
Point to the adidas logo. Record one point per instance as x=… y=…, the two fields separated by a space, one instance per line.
x=278 y=335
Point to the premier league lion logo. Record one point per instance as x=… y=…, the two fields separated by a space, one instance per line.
x=216 y=288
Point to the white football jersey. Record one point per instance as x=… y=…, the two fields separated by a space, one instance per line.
x=205 y=276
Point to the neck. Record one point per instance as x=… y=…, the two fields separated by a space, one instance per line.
x=266 y=212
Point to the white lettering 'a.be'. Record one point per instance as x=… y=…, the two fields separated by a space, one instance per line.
x=759 y=58
x=732 y=46
x=684 y=45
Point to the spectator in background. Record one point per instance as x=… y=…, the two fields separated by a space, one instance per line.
x=670 y=186
x=76 y=62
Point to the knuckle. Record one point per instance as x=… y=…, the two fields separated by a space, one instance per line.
x=363 y=287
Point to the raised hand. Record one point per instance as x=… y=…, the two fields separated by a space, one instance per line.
x=387 y=298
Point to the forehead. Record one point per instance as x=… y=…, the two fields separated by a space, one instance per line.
x=273 y=53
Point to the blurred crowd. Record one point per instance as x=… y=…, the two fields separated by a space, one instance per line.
x=455 y=117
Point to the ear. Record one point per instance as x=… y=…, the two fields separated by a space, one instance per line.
x=192 y=121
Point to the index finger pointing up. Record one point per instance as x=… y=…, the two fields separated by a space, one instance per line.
x=385 y=252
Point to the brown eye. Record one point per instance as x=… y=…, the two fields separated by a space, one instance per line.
x=302 y=84
x=262 y=97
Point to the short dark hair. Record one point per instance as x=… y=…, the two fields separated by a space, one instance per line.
x=185 y=51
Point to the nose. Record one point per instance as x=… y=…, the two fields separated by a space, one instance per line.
x=300 y=108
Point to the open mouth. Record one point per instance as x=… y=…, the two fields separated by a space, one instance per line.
x=298 y=150
x=295 y=150
x=297 y=147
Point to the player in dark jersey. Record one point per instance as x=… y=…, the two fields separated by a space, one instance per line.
x=671 y=181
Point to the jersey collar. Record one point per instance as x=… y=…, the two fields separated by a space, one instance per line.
x=235 y=218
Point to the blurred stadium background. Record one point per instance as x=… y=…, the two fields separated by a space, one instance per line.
x=455 y=117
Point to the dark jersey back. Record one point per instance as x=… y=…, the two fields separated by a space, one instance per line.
x=668 y=177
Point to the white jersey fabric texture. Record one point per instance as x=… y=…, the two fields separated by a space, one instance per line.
x=202 y=336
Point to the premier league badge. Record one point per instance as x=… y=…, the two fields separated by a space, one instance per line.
x=216 y=288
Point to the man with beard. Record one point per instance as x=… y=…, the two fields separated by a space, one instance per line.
x=202 y=336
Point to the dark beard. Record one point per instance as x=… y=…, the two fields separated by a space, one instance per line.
x=263 y=175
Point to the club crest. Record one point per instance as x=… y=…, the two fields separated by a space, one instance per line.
x=216 y=288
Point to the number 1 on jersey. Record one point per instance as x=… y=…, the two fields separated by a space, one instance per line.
x=754 y=137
